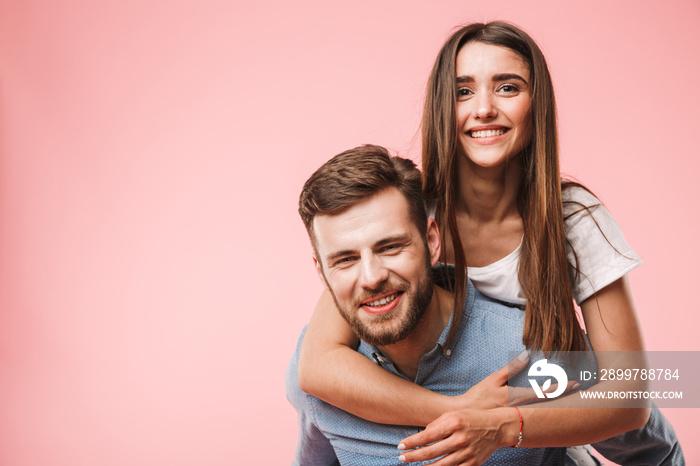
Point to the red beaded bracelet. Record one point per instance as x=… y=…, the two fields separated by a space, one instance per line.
x=520 y=437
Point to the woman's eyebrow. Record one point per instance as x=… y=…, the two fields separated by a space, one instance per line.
x=496 y=78
x=508 y=77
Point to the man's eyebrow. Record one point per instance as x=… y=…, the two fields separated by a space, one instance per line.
x=338 y=254
x=402 y=238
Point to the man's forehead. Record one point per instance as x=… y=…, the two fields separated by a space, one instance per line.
x=381 y=216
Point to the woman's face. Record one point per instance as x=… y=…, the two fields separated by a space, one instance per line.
x=493 y=103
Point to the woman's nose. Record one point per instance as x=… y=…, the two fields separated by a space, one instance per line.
x=485 y=107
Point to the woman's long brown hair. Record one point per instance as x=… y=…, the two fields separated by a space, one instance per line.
x=550 y=319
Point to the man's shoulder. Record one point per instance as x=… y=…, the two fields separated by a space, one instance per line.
x=478 y=301
x=294 y=393
x=444 y=276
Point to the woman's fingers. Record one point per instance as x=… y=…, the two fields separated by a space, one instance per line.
x=457 y=458
x=436 y=430
x=517 y=364
x=463 y=437
x=453 y=442
x=500 y=377
x=429 y=452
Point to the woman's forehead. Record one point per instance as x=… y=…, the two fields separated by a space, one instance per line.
x=481 y=57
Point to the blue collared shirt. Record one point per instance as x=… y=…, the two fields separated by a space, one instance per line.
x=488 y=336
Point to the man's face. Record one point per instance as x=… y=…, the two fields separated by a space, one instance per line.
x=377 y=267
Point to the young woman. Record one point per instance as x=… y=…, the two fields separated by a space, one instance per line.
x=491 y=175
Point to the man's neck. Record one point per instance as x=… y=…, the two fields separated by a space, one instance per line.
x=406 y=354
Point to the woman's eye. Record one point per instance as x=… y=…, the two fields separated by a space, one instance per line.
x=463 y=92
x=509 y=88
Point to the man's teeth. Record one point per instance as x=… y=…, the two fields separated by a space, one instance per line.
x=487 y=133
x=383 y=301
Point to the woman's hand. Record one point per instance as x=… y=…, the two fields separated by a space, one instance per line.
x=492 y=392
x=468 y=436
x=464 y=437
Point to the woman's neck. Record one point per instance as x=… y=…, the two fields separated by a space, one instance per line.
x=488 y=194
x=489 y=224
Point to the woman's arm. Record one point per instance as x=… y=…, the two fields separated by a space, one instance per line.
x=469 y=435
x=612 y=325
x=331 y=369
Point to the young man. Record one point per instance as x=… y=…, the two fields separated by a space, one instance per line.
x=374 y=249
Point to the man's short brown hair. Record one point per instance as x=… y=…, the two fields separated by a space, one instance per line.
x=356 y=175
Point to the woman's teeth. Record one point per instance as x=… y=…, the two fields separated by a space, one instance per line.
x=487 y=133
x=383 y=301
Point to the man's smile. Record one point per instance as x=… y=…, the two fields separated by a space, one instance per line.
x=383 y=304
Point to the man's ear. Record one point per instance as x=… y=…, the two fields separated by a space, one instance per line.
x=433 y=240
x=319 y=271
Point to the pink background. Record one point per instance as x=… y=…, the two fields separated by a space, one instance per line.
x=154 y=274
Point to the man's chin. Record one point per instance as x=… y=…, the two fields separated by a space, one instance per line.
x=381 y=337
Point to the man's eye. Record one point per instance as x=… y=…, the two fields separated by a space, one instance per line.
x=390 y=248
x=343 y=261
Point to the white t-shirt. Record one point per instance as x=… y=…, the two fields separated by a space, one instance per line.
x=602 y=252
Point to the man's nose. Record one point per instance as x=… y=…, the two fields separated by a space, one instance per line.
x=372 y=272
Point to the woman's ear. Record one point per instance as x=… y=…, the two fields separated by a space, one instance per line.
x=433 y=240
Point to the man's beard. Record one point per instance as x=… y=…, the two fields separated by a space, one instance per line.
x=390 y=328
